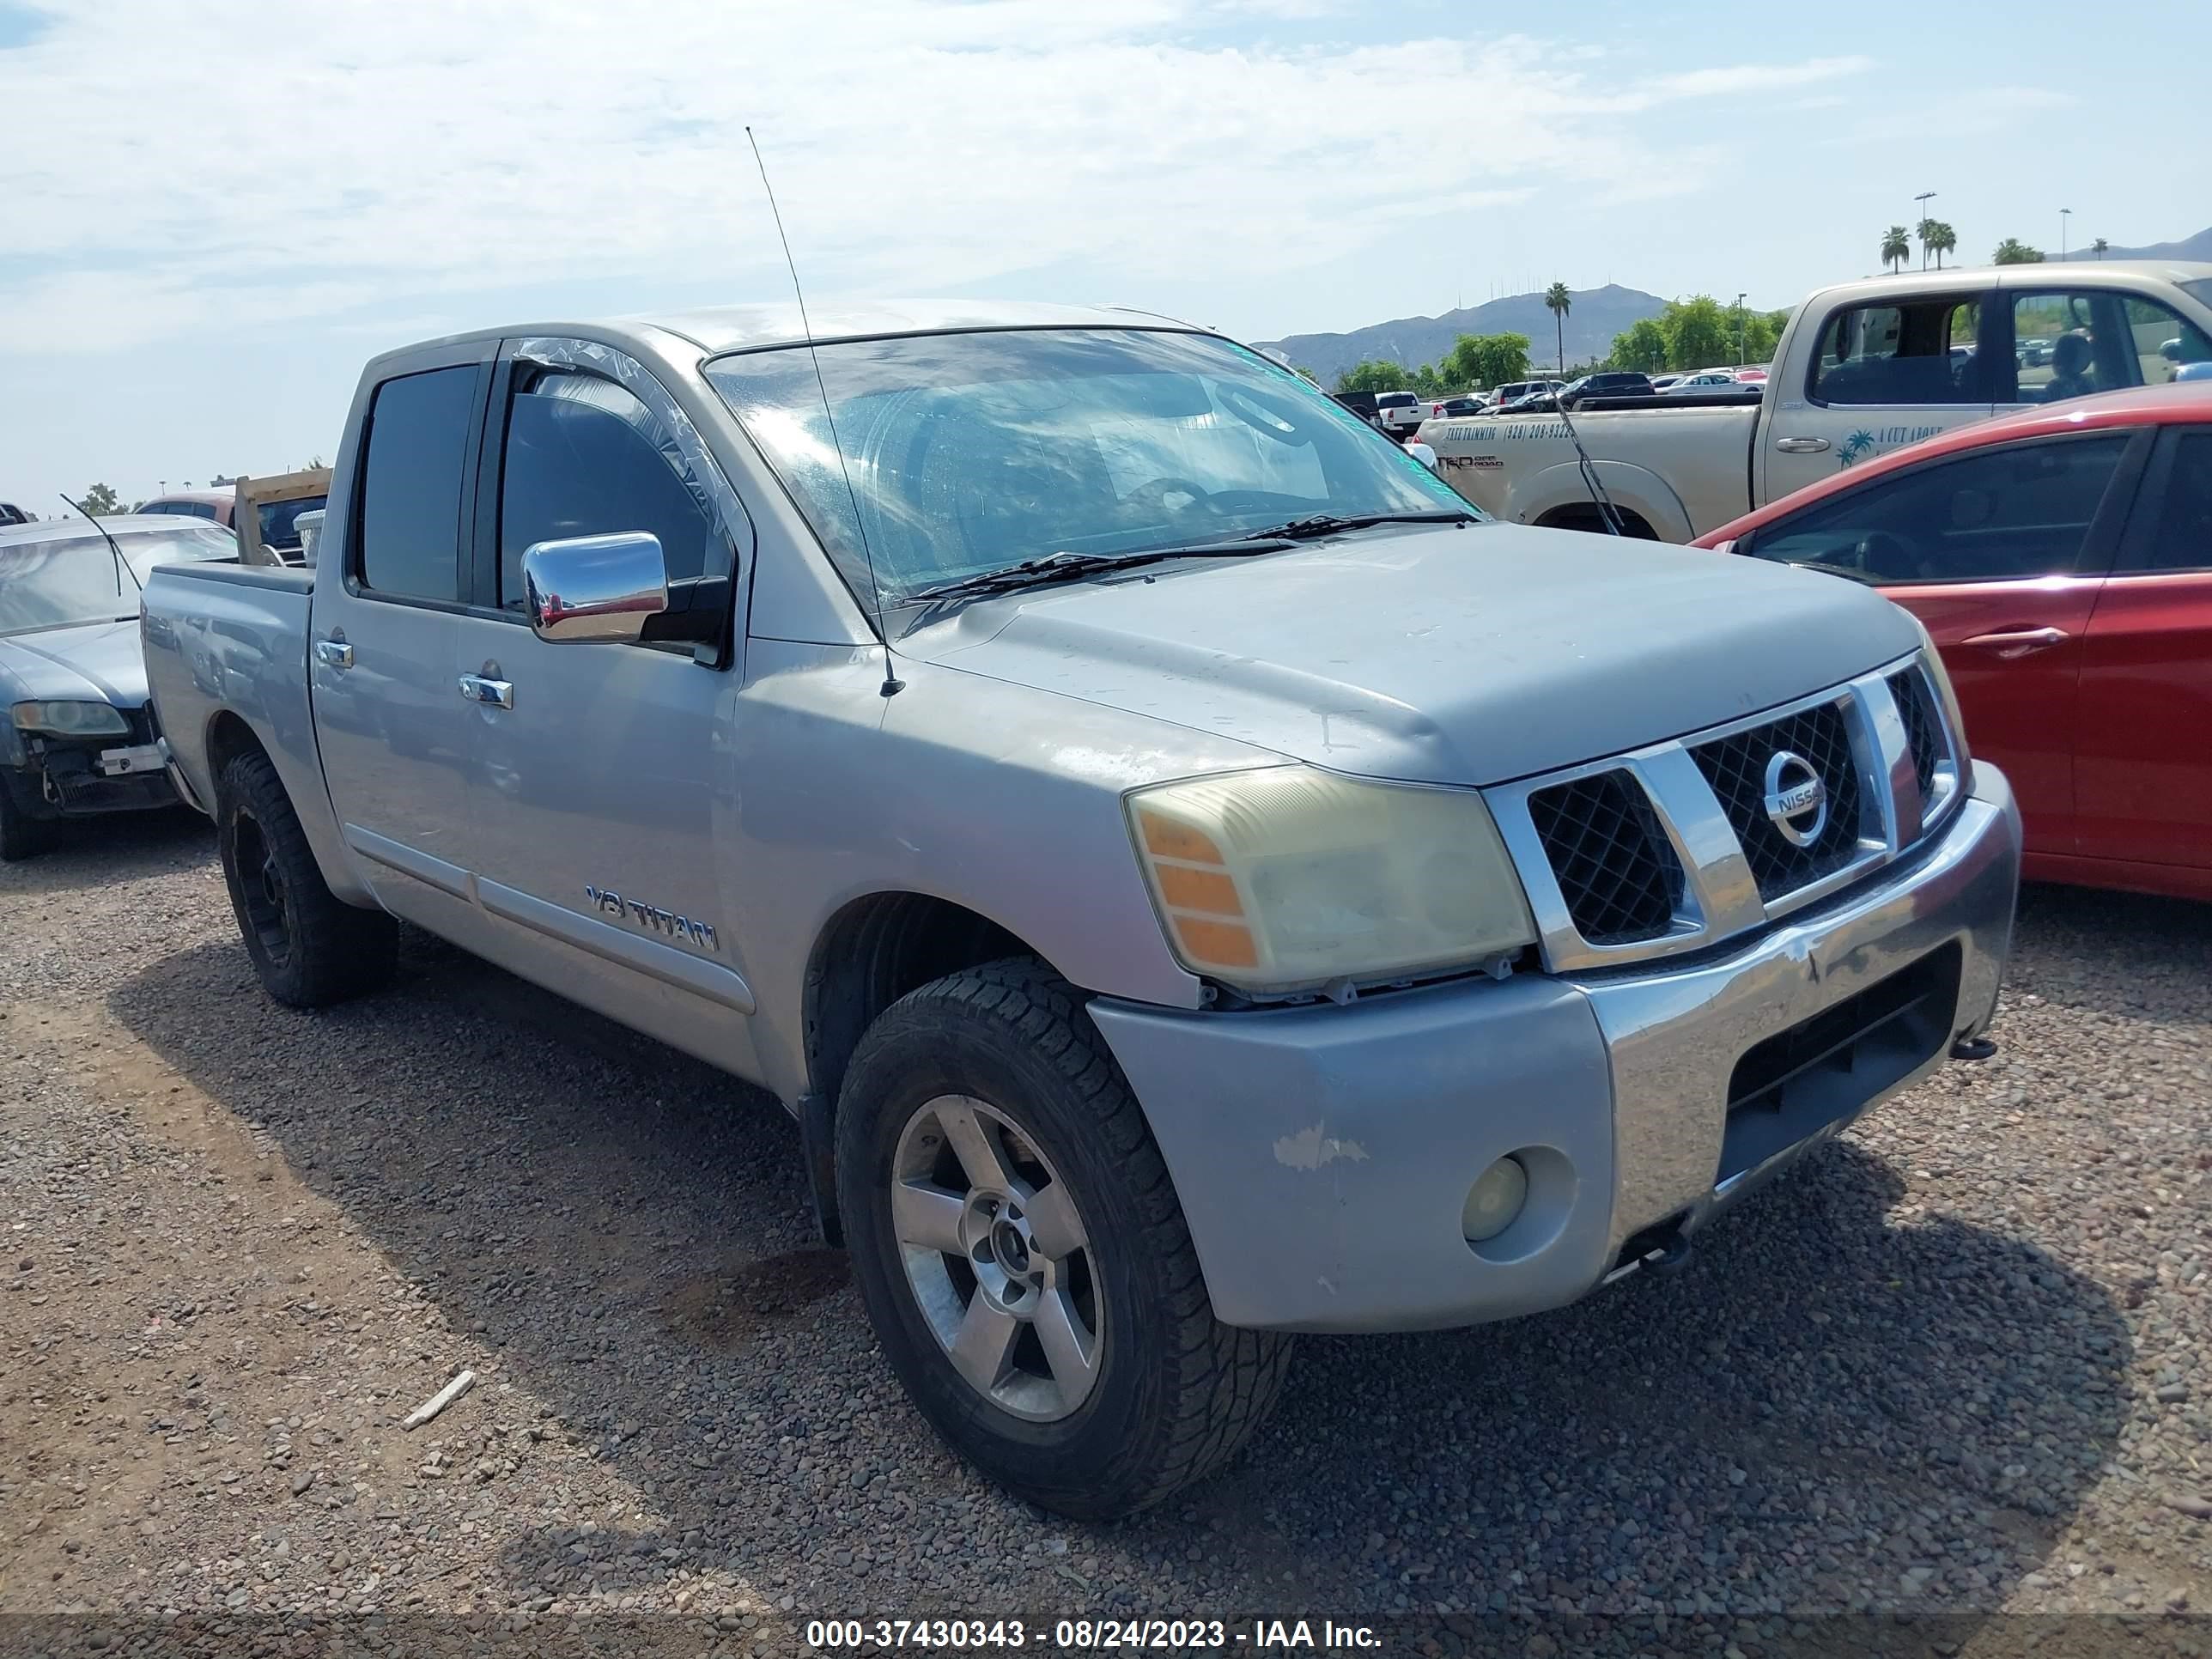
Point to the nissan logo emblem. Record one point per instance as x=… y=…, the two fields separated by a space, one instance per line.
x=1797 y=800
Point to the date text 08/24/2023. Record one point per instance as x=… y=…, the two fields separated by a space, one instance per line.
x=1088 y=1635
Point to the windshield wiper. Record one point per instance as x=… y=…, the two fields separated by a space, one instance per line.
x=1329 y=524
x=1072 y=566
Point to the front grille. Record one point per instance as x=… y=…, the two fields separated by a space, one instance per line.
x=1923 y=728
x=1736 y=766
x=1616 y=868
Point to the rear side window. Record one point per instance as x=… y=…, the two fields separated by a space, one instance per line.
x=2183 y=538
x=584 y=458
x=1914 y=353
x=410 y=493
x=2007 y=512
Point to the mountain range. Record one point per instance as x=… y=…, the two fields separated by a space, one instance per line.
x=1597 y=314
x=2196 y=248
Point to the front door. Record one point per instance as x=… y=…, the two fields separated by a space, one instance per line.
x=603 y=770
x=2000 y=552
x=2144 y=766
x=395 y=741
x=1884 y=374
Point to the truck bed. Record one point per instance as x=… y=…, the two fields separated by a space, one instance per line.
x=1681 y=466
x=228 y=642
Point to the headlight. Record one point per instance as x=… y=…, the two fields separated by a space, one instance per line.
x=1949 y=698
x=1288 y=878
x=71 y=719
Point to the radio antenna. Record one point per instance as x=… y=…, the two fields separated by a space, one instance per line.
x=892 y=685
x=122 y=564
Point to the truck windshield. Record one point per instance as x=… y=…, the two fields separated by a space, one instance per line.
x=971 y=452
x=59 y=580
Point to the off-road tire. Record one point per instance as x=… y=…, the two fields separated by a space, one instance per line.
x=1178 y=1393
x=309 y=947
x=22 y=835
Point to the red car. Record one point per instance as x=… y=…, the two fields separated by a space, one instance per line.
x=2062 y=560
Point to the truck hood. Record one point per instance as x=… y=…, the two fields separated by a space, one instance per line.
x=90 y=662
x=1457 y=655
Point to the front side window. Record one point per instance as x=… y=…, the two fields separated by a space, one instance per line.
x=2008 y=511
x=1915 y=353
x=410 y=493
x=584 y=458
x=971 y=452
x=62 y=581
x=2071 y=343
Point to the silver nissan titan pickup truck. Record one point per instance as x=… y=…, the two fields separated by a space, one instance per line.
x=1194 y=878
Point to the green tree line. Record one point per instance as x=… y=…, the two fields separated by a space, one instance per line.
x=1474 y=360
x=1698 y=332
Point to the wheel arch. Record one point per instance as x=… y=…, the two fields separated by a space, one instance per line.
x=1558 y=498
x=871 y=951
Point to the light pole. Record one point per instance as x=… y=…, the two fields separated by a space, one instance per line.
x=1739 y=329
x=1920 y=207
x=2064 y=214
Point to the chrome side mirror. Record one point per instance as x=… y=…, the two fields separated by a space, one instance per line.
x=594 y=588
x=1424 y=454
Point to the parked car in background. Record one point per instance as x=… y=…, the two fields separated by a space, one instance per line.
x=1514 y=391
x=1862 y=368
x=215 y=506
x=1607 y=383
x=1705 y=379
x=1296 y=904
x=1457 y=408
x=1665 y=382
x=1361 y=404
x=11 y=513
x=1399 y=413
x=75 y=738
x=2062 y=561
x=1756 y=374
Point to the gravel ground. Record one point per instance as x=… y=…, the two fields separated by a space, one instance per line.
x=1955 y=1370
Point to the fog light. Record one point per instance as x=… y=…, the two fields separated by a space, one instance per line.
x=1495 y=1201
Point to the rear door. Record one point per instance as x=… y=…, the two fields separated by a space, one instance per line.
x=2144 y=766
x=2000 y=552
x=598 y=780
x=1883 y=373
x=393 y=735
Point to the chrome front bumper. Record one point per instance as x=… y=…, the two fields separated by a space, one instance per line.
x=1322 y=1154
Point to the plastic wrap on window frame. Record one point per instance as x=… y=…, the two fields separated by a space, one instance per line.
x=677 y=440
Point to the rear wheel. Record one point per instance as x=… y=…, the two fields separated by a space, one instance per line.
x=309 y=947
x=1022 y=1255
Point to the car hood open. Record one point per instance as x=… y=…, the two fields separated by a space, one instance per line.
x=1469 y=654
x=90 y=662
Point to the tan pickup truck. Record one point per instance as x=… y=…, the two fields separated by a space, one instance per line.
x=1863 y=368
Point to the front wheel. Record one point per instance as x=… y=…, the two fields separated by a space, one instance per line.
x=1022 y=1255
x=309 y=947
x=22 y=835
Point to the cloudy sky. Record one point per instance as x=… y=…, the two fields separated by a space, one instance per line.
x=210 y=213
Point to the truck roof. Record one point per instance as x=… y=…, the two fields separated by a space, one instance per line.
x=751 y=327
x=2050 y=273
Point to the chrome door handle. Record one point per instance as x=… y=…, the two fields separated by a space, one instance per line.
x=1800 y=446
x=2013 y=642
x=498 y=694
x=334 y=654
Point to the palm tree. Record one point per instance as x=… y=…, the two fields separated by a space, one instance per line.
x=1943 y=239
x=1560 y=303
x=1923 y=230
x=1896 y=247
x=2099 y=246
